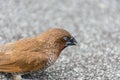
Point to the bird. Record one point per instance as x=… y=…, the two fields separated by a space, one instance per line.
x=34 y=54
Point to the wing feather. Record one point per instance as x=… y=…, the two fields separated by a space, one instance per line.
x=25 y=63
x=22 y=56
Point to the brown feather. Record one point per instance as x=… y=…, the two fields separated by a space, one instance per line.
x=32 y=54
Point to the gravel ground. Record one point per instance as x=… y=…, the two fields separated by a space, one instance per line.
x=94 y=23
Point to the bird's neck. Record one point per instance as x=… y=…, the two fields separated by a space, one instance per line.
x=54 y=49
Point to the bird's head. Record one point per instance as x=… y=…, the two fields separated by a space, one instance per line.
x=58 y=38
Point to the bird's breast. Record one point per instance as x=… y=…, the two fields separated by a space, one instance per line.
x=51 y=60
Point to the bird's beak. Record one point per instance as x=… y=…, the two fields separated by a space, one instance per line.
x=71 y=41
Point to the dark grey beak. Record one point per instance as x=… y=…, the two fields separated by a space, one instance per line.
x=71 y=41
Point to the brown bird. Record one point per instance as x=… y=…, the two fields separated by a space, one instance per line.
x=34 y=54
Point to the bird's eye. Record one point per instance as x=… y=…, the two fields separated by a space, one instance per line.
x=65 y=38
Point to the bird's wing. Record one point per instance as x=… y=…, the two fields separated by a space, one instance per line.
x=5 y=51
x=24 y=62
x=22 y=56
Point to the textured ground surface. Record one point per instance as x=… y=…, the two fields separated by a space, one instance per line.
x=95 y=23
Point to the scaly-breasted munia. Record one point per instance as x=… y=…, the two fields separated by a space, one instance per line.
x=34 y=54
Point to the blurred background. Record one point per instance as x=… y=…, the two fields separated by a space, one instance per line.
x=94 y=23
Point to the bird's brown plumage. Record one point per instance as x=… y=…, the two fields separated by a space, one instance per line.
x=34 y=53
